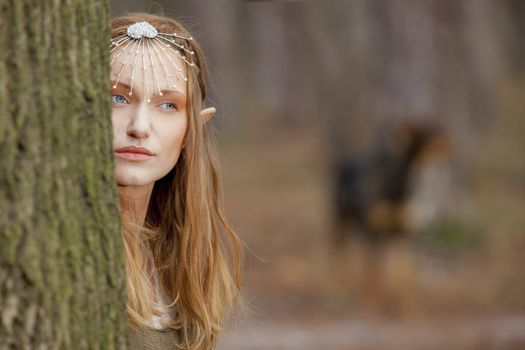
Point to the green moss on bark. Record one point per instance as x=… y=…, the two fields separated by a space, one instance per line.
x=60 y=243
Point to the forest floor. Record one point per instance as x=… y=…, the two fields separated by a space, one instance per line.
x=461 y=334
x=461 y=293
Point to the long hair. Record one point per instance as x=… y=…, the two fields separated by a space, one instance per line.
x=186 y=242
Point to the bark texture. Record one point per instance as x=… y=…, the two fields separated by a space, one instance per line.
x=62 y=276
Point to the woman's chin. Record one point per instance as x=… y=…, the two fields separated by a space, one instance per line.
x=132 y=180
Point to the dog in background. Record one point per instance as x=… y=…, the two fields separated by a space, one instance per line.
x=381 y=199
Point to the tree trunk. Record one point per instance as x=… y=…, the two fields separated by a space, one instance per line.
x=62 y=276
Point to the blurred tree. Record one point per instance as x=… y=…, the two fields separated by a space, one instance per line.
x=120 y=7
x=515 y=12
x=61 y=253
x=381 y=63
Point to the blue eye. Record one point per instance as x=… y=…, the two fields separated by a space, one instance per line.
x=118 y=99
x=169 y=105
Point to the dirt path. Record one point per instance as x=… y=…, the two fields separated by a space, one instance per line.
x=501 y=333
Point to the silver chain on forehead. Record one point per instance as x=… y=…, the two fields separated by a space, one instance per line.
x=144 y=40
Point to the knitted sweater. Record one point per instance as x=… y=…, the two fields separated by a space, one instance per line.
x=151 y=339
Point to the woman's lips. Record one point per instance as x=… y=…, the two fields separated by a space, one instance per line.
x=133 y=156
x=134 y=153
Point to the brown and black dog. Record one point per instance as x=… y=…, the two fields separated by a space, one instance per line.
x=380 y=199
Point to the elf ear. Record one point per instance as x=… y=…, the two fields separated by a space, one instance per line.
x=207 y=113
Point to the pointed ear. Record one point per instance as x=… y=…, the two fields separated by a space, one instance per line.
x=207 y=113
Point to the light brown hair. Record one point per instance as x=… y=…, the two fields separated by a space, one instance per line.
x=186 y=240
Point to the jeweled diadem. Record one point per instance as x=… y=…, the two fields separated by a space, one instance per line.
x=142 y=46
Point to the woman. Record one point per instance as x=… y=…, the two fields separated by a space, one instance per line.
x=182 y=257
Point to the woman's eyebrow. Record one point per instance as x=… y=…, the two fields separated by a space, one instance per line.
x=164 y=92
x=120 y=84
x=174 y=92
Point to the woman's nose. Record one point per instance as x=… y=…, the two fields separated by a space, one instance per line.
x=139 y=123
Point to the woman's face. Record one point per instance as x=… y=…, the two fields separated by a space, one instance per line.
x=156 y=128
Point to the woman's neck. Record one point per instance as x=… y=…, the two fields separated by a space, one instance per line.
x=134 y=202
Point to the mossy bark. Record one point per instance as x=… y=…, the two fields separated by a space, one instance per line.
x=62 y=276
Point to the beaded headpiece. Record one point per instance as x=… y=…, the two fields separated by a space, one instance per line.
x=144 y=40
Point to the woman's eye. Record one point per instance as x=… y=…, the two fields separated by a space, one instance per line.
x=169 y=105
x=118 y=99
